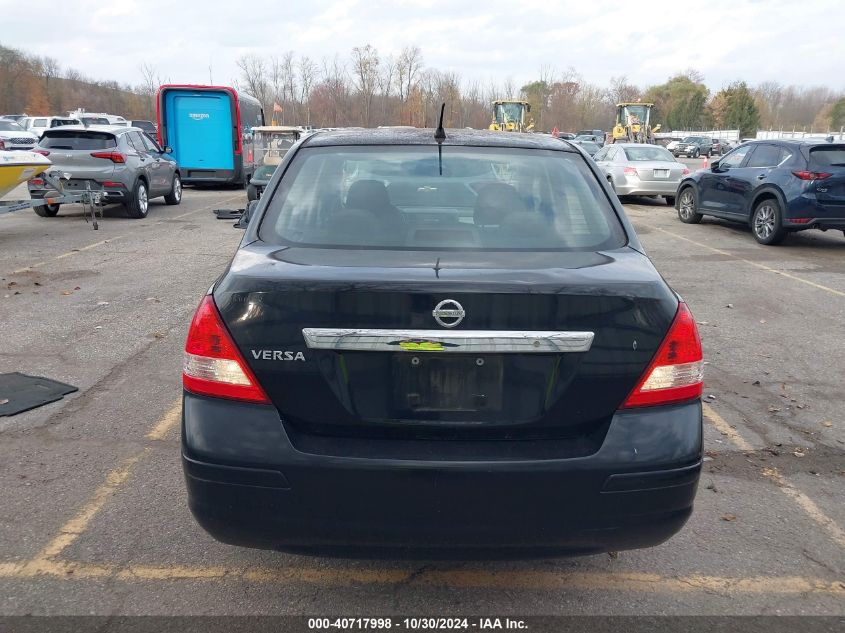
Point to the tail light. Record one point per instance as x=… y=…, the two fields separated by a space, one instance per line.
x=811 y=175
x=213 y=365
x=115 y=157
x=36 y=182
x=630 y=171
x=2 y=144
x=43 y=152
x=676 y=371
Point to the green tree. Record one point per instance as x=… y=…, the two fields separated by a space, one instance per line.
x=740 y=110
x=680 y=102
x=837 y=114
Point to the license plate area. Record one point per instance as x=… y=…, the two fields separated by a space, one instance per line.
x=434 y=382
x=661 y=173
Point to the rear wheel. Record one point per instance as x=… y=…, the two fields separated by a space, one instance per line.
x=696 y=154
x=766 y=223
x=175 y=195
x=670 y=200
x=47 y=210
x=688 y=207
x=139 y=205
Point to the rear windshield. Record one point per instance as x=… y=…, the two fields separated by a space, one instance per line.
x=395 y=197
x=93 y=120
x=78 y=140
x=833 y=156
x=648 y=153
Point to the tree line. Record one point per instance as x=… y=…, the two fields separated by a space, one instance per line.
x=368 y=89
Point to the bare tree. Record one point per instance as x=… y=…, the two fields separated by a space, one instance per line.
x=408 y=68
x=620 y=91
x=254 y=77
x=365 y=64
x=307 y=77
x=385 y=85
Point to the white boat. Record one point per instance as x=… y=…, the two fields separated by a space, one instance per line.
x=19 y=166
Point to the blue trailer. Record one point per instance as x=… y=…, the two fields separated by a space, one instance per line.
x=210 y=131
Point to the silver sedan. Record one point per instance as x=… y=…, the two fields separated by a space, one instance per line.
x=643 y=170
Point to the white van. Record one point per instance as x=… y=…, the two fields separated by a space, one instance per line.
x=38 y=124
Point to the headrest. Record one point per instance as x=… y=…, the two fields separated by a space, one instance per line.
x=494 y=202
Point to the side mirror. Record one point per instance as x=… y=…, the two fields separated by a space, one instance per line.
x=714 y=166
x=168 y=149
x=247 y=214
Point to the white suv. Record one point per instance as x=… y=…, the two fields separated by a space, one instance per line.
x=37 y=124
x=13 y=136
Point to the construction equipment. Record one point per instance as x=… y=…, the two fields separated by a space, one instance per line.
x=510 y=116
x=633 y=123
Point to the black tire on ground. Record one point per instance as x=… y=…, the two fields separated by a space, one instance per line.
x=47 y=210
x=139 y=204
x=696 y=154
x=766 y=222
x=175 y=195
x=670 y=200
x=688 y=207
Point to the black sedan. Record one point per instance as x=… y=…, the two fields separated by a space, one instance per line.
x=453 y=347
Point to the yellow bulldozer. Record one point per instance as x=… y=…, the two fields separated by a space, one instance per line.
x=510 y=116
x=633 y=123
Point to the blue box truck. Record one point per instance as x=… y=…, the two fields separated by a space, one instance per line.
x=209 y=129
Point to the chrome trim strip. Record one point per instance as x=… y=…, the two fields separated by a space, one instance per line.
x=466 y=341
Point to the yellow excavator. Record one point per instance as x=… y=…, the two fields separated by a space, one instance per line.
x=510 y=116
x=633 y=123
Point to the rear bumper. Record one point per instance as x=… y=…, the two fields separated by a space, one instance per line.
x=115 y=194
x=647 y=188
x=248 y=485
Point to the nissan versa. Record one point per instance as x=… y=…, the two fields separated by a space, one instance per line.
x=454 y=346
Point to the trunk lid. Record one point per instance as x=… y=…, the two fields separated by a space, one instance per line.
x=659 y=171
x=420 y=386
x=830 y=192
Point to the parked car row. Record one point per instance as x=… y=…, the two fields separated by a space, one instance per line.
x=695 y=146
x=37 y=125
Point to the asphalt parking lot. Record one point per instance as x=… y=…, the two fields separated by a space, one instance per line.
x=94 y=519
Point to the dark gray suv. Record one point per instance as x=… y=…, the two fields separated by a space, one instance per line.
x=694 y=146
x=125 y=163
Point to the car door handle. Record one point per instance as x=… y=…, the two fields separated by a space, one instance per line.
x=761 y=176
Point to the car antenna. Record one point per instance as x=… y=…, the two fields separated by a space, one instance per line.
x=440 y=136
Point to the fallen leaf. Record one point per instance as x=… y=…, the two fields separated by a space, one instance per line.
x=728 y=517
x=798 y=453
x=77 y=288
x=730 y=305
x=827 y=423
x=756 y=382
x=66 y=292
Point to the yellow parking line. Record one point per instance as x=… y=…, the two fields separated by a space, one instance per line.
x=750 y=262
x=726 y=429
x=807 y=505
x=836 y=533
x=71 y=530
x=170 y=420
x=469 y=579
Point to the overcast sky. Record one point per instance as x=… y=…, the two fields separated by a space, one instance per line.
x=756 y=40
